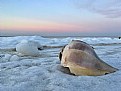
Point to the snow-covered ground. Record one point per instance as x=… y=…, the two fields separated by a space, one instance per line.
x=43 y=72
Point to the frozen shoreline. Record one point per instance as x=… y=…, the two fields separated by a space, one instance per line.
x=42 y=73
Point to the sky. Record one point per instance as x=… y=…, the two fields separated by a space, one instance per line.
x=60 y=17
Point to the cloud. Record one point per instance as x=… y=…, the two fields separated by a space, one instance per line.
x=109 y=8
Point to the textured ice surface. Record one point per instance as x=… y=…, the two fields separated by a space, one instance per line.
x=41 y=73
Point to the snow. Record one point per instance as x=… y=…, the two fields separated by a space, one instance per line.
x=43 y=73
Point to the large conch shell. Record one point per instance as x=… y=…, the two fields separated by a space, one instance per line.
x=81 y=59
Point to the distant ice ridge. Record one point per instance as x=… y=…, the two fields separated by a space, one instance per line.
x=98 y=40
x=10 y=42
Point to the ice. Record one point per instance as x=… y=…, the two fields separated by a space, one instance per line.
x=41 y=73
x=29 y=48
x=10 y=42
x=7 y=57
x=14 y=58
x=98 y=40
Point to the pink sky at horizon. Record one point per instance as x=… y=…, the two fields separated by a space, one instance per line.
x=29 y=25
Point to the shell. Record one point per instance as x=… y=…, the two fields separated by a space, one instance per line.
x=81 y=59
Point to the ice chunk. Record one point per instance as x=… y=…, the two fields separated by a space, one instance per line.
x=6 y=57
x=14 y=58
x=26 y=47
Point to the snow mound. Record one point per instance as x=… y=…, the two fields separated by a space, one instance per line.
x=29 y=48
